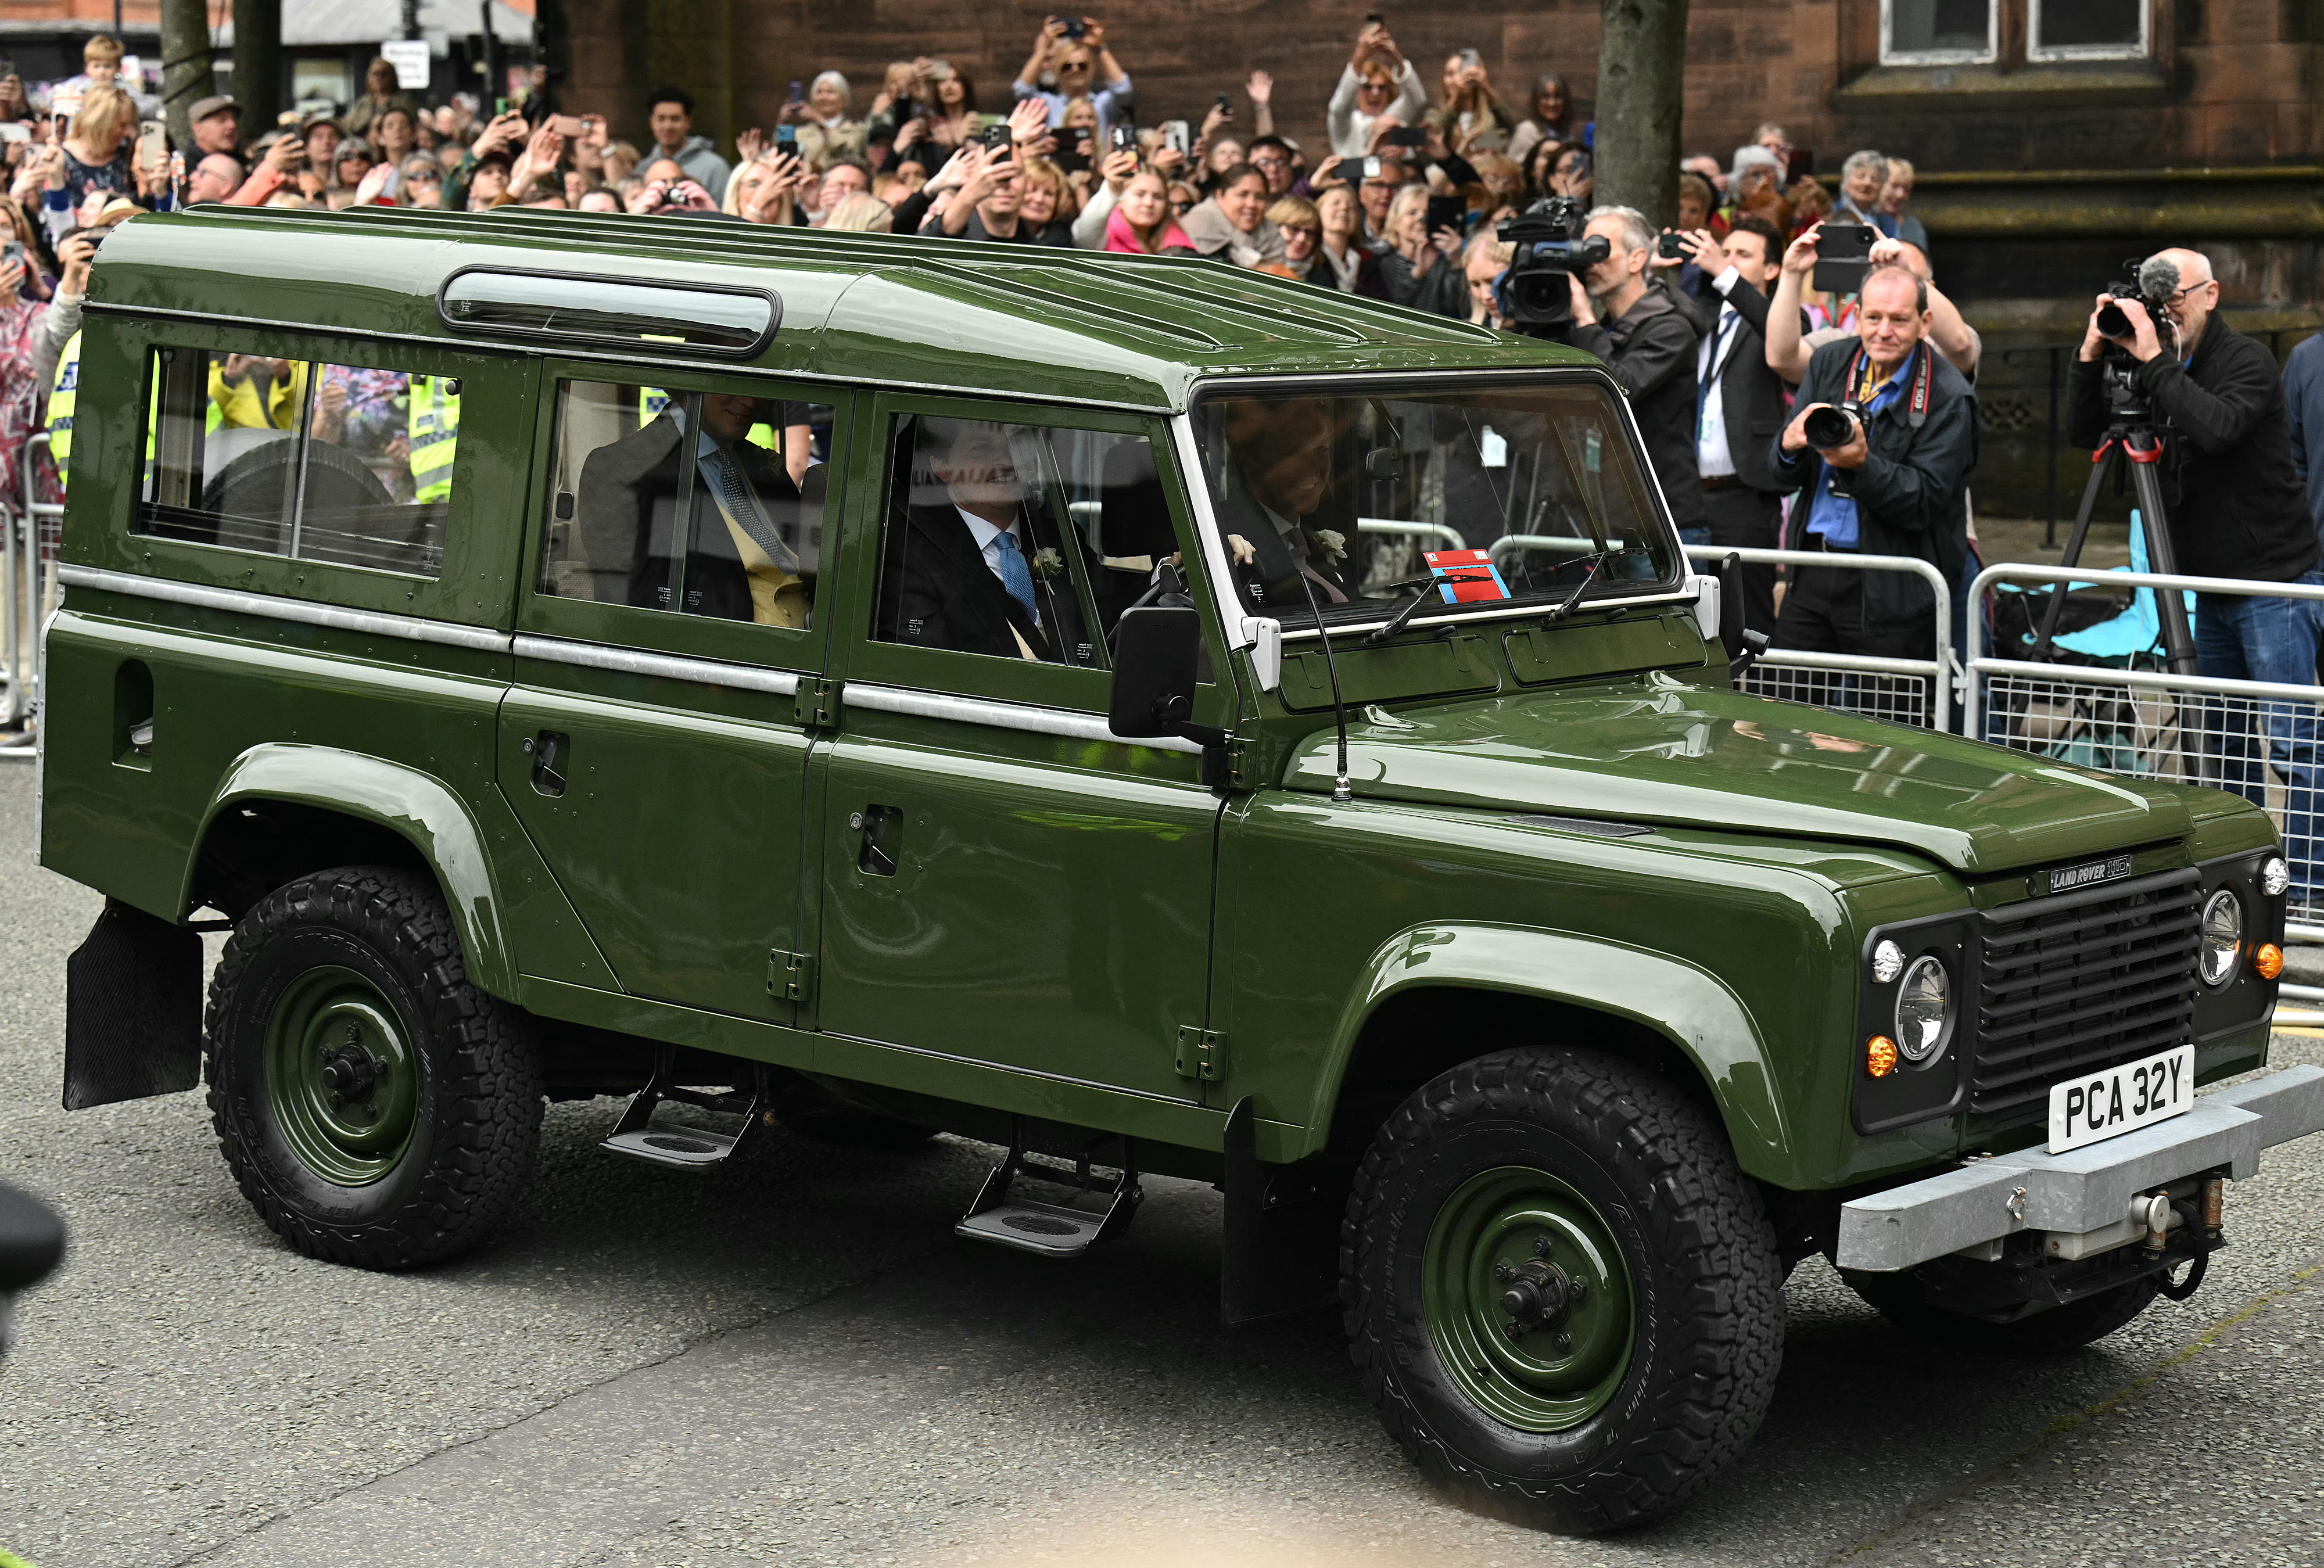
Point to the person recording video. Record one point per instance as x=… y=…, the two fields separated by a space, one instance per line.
x=2231 y=487
x=1880 y=447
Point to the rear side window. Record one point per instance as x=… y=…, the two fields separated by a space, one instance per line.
x=344 y=464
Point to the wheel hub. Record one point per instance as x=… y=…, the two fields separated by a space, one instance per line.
x=351 y=1074
x=1539 y=1295
x=342 y=1079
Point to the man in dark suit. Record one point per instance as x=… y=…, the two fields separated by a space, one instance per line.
x=973 y=561
x=1740 y=402
x=1276 y=494
x=743 y=515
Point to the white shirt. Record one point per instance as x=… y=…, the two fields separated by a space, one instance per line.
x=985 y=533
x=1712 y=460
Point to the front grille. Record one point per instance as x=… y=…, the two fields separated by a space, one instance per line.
x=2081 y=981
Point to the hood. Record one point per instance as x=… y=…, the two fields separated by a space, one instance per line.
x=1660 y=751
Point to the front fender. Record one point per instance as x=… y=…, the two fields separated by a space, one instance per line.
x=1686 y=1005
x=407 y=802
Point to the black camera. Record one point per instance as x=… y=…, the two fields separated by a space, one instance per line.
x=1075 y=28
x=1535 y=290
x=1830 y=427
x=2155 y=285
x=2132 y=285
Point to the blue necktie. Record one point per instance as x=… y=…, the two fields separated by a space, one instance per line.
x=1016 y=576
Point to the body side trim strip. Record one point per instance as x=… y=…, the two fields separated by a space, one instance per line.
x=668 y=666
x=1000 y=716
x=371 y=622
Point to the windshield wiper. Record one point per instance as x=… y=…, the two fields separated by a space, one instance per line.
x=1580 y=588
x=1457 y=575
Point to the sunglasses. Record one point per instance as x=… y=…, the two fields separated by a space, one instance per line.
x=1075 y=65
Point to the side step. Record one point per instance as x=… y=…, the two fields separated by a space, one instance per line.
x=635 y=1136
x=1052 y=1229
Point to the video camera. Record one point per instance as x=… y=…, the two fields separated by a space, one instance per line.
x=1533 y=291
x=2155 y=285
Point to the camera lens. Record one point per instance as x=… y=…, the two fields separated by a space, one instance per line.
x=2112 y=322
x=1827 y=427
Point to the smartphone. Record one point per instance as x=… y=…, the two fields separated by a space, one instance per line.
x=799 y=95
x=1408 y=136
x=14 y=130
x=152 y=144
x=14 y=251
x=1445 y=212
x=1843 y=255
x=787 y=139
x=1669 y=248
x=1075 y=28
x=570 y=127
x=1800 y=165
x=1175 y=135
x=500 y=107
x=1121 y=139
x=1371 y=169
x=1374 y=19
x=1470 y=60
x=1226 y=104
x=997 y=138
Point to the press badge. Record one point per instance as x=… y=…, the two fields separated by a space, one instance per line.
x=1465 y=577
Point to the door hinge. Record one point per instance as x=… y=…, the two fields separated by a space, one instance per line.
x=1202 y=1053
x=816 y=702
x=1225 y=767
x=790 y=976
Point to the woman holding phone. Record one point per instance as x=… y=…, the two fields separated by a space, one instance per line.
x=95 y=155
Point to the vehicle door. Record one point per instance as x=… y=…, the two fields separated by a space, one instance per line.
x=654 y=744
x=1003 y=881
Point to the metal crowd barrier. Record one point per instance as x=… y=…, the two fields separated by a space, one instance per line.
x=2146 y=724
x=28 y=538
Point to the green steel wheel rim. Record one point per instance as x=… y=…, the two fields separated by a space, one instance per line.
x=342 y=1079
x=1543 y=1370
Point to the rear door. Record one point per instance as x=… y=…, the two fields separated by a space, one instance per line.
x=1002 y=880
x=654 y=745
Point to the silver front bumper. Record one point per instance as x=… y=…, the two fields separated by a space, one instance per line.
x=2084 y=1189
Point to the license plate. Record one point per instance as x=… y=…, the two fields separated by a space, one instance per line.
x=2097 y=1106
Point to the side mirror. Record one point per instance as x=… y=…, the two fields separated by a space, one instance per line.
x=1743 y=648
x=1154 y=662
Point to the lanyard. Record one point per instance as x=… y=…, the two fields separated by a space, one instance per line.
x=1860 y=380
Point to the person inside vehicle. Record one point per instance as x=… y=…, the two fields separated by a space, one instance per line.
x=1282 y=477
x=255 y=392
x=973 y=561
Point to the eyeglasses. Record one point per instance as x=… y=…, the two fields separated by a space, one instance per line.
x=1271 y=161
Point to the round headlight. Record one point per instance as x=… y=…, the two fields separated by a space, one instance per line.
x=1925 y=1009
x=2274 y=877
x=1887 y=961
x=2223 y=938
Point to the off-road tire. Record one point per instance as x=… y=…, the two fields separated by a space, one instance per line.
x=1707 y=1283
x=475 y=1116
x=1899 y=1299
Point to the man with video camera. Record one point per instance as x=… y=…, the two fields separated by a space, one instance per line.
x=1881 y=447
x=2231 y=489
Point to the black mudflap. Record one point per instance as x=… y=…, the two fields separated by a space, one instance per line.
x=133 y=1010
x=1280 y=1251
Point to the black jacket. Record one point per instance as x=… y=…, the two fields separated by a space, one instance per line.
x=936 y=591
x=1750 y=394
x=1908 y=493
x=629 y=493
x=2229 y=479
x=1651 y=348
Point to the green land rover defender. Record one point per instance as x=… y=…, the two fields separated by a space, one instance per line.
x=1151 y=717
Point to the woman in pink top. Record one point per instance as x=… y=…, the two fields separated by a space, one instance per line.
x=1141 y=222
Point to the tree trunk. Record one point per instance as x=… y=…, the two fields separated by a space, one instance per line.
x=257 y=64
x=1641 y=75
x=186 y=73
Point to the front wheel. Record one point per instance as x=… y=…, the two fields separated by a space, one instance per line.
x=375 y=1108
x=1565 y=1299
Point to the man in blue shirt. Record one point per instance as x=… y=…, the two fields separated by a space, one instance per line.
x=1904 y=468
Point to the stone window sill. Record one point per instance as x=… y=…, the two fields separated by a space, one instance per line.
x=2114 y=80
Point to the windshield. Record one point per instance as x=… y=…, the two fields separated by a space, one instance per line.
x=1362 y=499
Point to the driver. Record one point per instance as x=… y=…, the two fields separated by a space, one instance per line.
x=1282 y=458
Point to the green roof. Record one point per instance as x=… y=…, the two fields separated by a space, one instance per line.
x=894 y=309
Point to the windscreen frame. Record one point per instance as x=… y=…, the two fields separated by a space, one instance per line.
x=1296 y=624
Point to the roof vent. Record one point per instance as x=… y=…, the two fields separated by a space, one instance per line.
x=701 y=318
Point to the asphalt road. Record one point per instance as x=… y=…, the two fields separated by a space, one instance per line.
x=797 y=1363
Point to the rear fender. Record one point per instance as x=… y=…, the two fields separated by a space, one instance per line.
x=411 y=803
x=1686 y=1005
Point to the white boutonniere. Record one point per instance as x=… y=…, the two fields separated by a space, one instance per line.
x=1332 y=542
x=1048 y=563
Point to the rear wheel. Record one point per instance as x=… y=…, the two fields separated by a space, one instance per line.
x=375 y=1108
x=1566 y=1300
x=1903 y=1302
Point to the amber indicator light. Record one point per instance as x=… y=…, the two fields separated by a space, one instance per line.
x=1880 y=1055
x=2267 y=958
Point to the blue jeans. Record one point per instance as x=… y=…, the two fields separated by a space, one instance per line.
x=2272 y=640
x=1695 y=535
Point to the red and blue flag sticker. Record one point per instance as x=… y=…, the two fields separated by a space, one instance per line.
x=1465 y=577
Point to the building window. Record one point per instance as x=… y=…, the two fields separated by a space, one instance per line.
x=2087 y=30
x=1945 y=31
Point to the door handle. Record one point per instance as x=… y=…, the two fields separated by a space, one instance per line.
x=881 y=827
x=548 y=753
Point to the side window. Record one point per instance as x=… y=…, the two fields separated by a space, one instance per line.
x=705 y=504
x=339 y=463
x=1015 y=540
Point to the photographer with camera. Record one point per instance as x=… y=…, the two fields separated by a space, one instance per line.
x=1649 y=341
x=2231 y=490
x=1881 y=447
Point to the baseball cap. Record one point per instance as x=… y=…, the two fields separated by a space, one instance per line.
x=205 y=107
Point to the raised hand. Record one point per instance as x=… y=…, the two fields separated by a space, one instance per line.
x=1261 y=88
x=750 y=143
